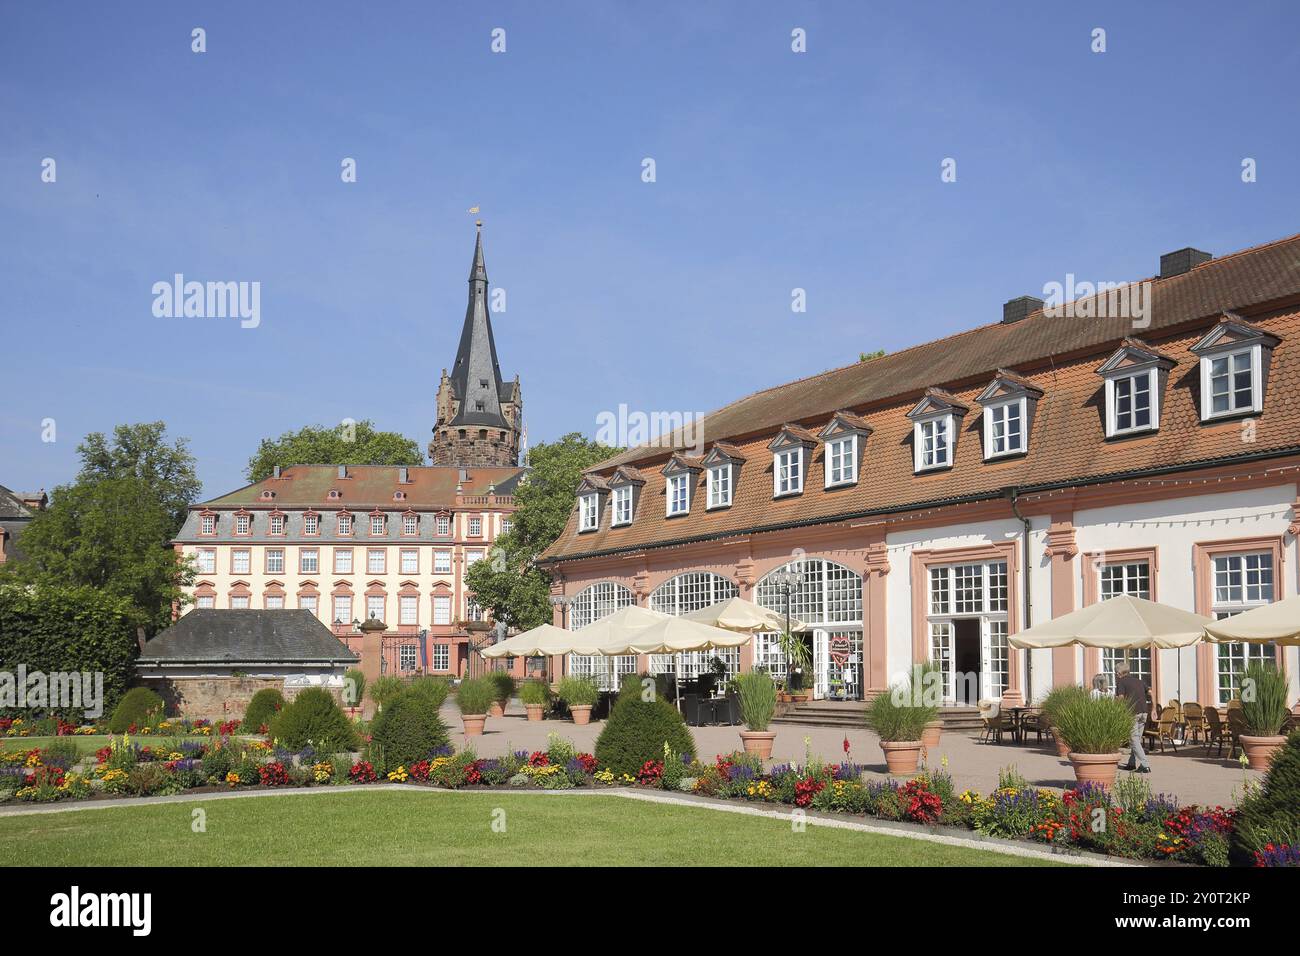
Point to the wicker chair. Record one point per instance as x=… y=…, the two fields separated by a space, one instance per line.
x=1236 y=727
x=995 y=721
x=1164 y=729
x=1194 y=718
x=1215 y=732
x=1031 y=723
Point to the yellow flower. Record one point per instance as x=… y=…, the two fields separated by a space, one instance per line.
x=232 y=778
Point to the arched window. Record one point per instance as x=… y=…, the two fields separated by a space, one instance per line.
x=829 y=601
x=682 y=595
x=590 y=605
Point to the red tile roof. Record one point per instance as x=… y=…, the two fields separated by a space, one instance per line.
x=1058 y=354
x=369 y=486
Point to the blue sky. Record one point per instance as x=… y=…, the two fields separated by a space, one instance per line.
x=775 y=170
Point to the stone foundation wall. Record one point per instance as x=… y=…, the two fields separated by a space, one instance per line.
x=219 y=698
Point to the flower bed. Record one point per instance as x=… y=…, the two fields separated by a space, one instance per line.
x=1127 y=822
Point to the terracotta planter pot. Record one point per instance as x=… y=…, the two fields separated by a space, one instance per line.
x=1260 y=750
x=933 y=731
x=901 y=756
x=581 y=714
x=1062 y=748
x=758 y=742
x=473 y=724
x=1095 y=768
x=534 y=711
x=498 y=709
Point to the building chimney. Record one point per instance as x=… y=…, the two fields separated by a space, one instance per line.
x=1017 y=309
x=403 y=475
x=1183 y=260
x=275 y=471
x=343 y=471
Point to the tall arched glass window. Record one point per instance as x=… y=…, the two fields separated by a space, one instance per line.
x=590 y=605
x=829 y=602
x=682 y=595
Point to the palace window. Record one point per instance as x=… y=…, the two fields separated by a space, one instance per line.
x=442 y=525
x=682 y=595
x=208 y=524
x=275 y=560
x=589 y=512
x=1134 y=579
x=406 y=656
x=590 y=605
x=408 y=609
x=311 y=524
x=410 y=525
x=342 y=609
x=375 y=606
x=441 y=609
x=442 y=562
x=410 y=561
x=345 y=524
x=277 y=524
x=441 y=657
x=1132 y=403
x=307 y=602
x=206 y=561
x=274 y=602
x=243 y=524
x=205 y=601
x=308 y=561
x=506 y=525
x=376 y=525
x=342 y=560
x=475 y=526
x=720 y=485
x=240 y=561
x=472 y=558
x=473 y=611
x=1234 y=360
x=1241 y=582
x=376 y=561
x=239 y=602
x=622 y=505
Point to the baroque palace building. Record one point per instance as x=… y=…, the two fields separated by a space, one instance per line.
x=936 y=500
x=356 y=543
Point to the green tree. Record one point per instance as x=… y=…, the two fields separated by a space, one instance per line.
x=868 y=356
x=112 y=529
x=356 y=443
x=510 y=584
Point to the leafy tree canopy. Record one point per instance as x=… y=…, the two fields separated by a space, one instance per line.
x=112 y=529
x=352 y=443
x=510 y=585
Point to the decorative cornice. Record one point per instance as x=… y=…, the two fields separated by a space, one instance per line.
x=1060 y=539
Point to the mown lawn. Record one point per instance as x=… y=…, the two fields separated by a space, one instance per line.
x=406 y=828
x=89 y=743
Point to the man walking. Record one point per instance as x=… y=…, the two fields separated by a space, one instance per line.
x=1131 y=689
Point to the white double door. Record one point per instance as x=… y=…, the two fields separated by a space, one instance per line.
x=972 y=655
x=837 y=664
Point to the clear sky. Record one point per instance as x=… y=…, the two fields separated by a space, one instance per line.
x=774 y=170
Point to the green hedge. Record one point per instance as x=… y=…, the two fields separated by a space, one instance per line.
x=314 y=718
x=266 y=703
x=407 y=730
x=134 y=709
x=1271 y=814
x=68 y=629
x=637 y=731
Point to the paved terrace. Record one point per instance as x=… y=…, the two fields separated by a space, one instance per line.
x=1192 y=775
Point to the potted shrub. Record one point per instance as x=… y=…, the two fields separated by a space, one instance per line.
x=534 y=695
x=503 y=686
x=898 y=716
x=798 y=661
x=1053 y=704
x=579 y=695
x=1263 y=708
x=1096 y=729
x=474 y=697
x=757 y=696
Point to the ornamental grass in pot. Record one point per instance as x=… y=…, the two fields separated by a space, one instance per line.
x=898 y=717
x=1053 y=704
x=474 y=697
x=930 y=676
x=503 y=686
x=1096 y=729
x=579 y=695
x=535 y=696
x=756 y=693
x=1263 y=708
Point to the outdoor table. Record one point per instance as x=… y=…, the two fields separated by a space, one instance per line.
x=1017 y=731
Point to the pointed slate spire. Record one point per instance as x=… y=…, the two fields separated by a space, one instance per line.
x=476 y=376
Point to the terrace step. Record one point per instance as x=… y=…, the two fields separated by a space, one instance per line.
x=851 y=714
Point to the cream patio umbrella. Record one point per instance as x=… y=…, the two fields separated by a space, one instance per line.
x=543 y=641
x=737 y=614
x=1276 y=623
x=1122 y=623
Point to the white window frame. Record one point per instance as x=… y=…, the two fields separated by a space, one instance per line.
x=408 y=609
x=475 y=526
x=918 y=442
x=208 y=524
x=1112 y=403
x=441 y=657
x=304 y=565
x=205 y=601
x=721 y=485
x=340 y=553
x=442 y=562
x=373 y=602
x=241 y=567
x=589 y=511
x=311 y=524
x=376 y=525
x=337 y=606
x=472 y=558
x=309 y=602
x=205 y=560
x=410 y=561
x=992 y=410
x=622 y=506
x=441 y=609
x=276 y=525
x=1237 y=654
x=374 y=566
x=1256 y=382
x=345 y=524
x=273 y=602
x=275 y=560
x=678 y=494
x=407 y=656
x=410 y=525
x=243 y=524
x=788 y=471
x=442 y=526
x=841 y=470
x=240 y=602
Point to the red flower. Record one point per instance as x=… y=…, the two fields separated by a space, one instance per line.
x=806 y=789
x=650 y=773
x=273 y=774
x=588 y=762
x=538 y=758
x=362 y=772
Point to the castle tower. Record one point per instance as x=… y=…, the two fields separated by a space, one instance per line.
x=478 y=415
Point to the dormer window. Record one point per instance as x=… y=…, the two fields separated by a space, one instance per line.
x=589 y=512
x=843 y=439
x=1235 y=358
x=722 y=468
x=720 y=485
x=622 y=505
x=207 y=524
x=1135 y=378
x=934 y=430
x=276 y=524
x=790 y=454
x=345 y=523
x=679 y=494
x=1009 y=402
x=243 y=523
x=376 y=525
x=680 y=475
x=311 y=523
x=410 y=525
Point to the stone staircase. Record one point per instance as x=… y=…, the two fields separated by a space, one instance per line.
x=848 y=714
